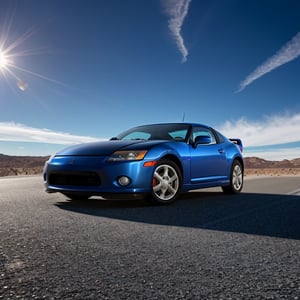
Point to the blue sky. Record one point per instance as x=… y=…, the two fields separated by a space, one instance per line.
x=77 y=71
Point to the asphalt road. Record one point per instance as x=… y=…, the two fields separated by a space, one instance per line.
x=205 y=246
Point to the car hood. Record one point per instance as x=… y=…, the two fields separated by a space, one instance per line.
x=106 y=148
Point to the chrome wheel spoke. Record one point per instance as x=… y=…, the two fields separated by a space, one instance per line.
x=171 y=189
x=173 y=178
x=167 y=182
x=157 y=176
x=157 y=187
x=166 y=171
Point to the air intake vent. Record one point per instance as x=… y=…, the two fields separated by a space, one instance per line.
x=75 y=179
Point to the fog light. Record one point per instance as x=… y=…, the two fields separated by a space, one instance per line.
x=123 y=180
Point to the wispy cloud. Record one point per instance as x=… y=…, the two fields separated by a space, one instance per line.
x=14 y=132
x=289 y=52
x=177 y=11
x=273 y=130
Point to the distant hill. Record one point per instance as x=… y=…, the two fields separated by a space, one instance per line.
x=258 y=166
x=21 y=165
x=258 y=163
x=31 y=165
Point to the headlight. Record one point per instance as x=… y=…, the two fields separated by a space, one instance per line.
x=128 y=155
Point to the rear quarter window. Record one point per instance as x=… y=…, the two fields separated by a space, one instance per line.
x=220 y=137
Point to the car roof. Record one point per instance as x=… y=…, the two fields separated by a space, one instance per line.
x=177 y=123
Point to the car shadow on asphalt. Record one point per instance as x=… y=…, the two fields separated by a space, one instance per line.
x=250 y=213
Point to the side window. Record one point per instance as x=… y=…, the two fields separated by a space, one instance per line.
x=204 y=132
x=178 y=135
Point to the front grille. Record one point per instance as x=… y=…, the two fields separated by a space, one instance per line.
x=75 y=179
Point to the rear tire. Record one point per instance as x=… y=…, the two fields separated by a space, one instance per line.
x=166 y=182
x=236 y=179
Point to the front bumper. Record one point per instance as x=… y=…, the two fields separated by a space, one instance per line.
x=95 y=176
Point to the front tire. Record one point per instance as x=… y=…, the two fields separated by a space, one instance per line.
x=236 y=179
x=166 y=182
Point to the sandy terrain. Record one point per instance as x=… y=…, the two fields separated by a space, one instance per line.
x=273 y=172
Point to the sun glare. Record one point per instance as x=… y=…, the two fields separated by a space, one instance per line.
x=3 y=60
x=10 y=67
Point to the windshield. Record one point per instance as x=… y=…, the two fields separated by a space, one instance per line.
x=177 y=132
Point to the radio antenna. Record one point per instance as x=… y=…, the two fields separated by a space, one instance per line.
x=183 y=117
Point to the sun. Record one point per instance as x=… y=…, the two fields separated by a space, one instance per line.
x=4 y=61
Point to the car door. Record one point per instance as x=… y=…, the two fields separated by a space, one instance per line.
x=208 y=157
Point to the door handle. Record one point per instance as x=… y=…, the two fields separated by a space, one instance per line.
x=221 y=150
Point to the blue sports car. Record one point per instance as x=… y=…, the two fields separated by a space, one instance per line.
x=157 y=161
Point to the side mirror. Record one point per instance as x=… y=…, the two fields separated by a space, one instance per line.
x=202 y=140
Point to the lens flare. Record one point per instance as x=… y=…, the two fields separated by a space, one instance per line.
x=22 y=85
x=13 y=55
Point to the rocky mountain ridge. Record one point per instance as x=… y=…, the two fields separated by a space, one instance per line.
x=258 y=163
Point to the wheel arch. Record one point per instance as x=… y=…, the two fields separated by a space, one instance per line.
x=241 y=161
x=176 y=160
